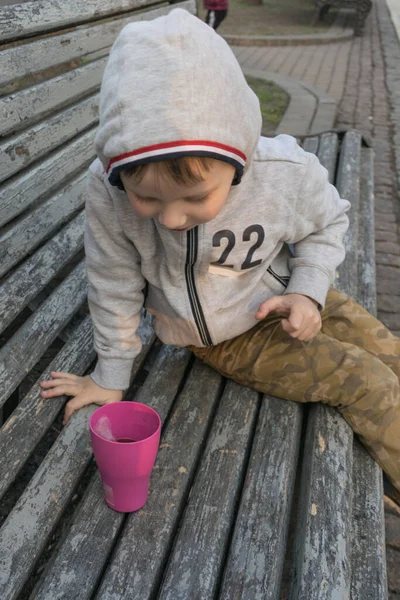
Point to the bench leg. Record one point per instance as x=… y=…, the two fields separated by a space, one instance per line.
x=362 y=13
x=321 y=12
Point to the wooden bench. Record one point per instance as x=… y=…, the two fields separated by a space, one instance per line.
x=362 y=8
x=251 y=497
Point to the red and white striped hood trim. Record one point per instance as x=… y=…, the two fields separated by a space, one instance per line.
x=191 y=147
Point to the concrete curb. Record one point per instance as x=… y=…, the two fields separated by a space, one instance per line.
x=335 y=34
x=394 y=10
x=288 y=40
x=389 y=41
x=309 y=111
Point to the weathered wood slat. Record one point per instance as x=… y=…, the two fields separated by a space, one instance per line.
x=148 y=534
x=256 y=557
x=18 y=111
x=327 y=153
x=20 y=64
x=201 y=543
x=22 y=61
x=18 y=437
x=22 y=20
x=95 y=527
x=368 y=560
x=20 y=150
x=348 y=185
x=366 y=473
x=311 y=144
x=38 y=510
x=31 y=230
x=366 y=234
x=369 y=579
x=21 y=192
x=39 y=269
x=321 y=558
x=322 y=562
x=26 y=346
x=34 y=415
x=27 y=528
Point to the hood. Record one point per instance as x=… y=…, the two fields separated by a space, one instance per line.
x=172 y=87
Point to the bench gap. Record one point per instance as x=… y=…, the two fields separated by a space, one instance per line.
x=58 y=535
x=39 y=452
x=54 y=348
x=53 y=284
x=238 y=499
x=85 y=23
x=294 y=511
x=62 y=529
x=158 y=583
x=29 y=469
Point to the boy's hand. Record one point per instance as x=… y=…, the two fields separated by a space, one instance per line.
x=84 y=390
x=304 y=319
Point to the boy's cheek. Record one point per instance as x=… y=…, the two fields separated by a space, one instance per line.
x=208 y=213
x=142 y=210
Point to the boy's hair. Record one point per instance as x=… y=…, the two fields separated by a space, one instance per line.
x=183 y=170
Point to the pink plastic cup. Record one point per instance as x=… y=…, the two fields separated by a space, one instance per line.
x=125 y=467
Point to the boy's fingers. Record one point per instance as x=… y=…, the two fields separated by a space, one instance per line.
x=288 y=327
x=74 y=405
x=51 y=383
x=274 y=303
x=296 y=318
x=307 y=335
x=79 y=402
x=64 y=375
x=60 y=390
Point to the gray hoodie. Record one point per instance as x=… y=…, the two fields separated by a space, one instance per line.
x=172 y=87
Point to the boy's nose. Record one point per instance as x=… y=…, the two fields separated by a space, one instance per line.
x=172 y=219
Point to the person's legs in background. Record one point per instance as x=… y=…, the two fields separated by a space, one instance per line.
x=214 y=18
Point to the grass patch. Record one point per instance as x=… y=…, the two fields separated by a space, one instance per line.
x=273 y=103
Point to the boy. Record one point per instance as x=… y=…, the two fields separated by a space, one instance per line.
x=187 y=196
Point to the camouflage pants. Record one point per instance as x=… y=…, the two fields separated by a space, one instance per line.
x=352 y=364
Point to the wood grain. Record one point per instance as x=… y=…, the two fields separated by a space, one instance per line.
x=256 y=555
x=26 y=346
x=21 y=20
x=27 y=281
x=36 y=226
x=46 y=176
x=21 y=150
x=41 y=505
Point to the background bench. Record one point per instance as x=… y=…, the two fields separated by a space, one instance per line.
x=362 y=8
x=251 y=497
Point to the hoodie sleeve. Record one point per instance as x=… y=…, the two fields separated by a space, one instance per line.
x=317 y=234
x=115 y=288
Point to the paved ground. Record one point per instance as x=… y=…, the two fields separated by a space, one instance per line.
x=323 y=66
x=363 y=76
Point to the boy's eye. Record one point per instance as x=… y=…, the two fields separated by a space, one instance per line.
x=145 y=199
x=191 y=200
x=198 y=200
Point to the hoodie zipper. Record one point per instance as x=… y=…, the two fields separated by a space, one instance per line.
x=192 y=238
x=281 y=278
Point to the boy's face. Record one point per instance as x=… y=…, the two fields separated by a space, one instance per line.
x=180 y=206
